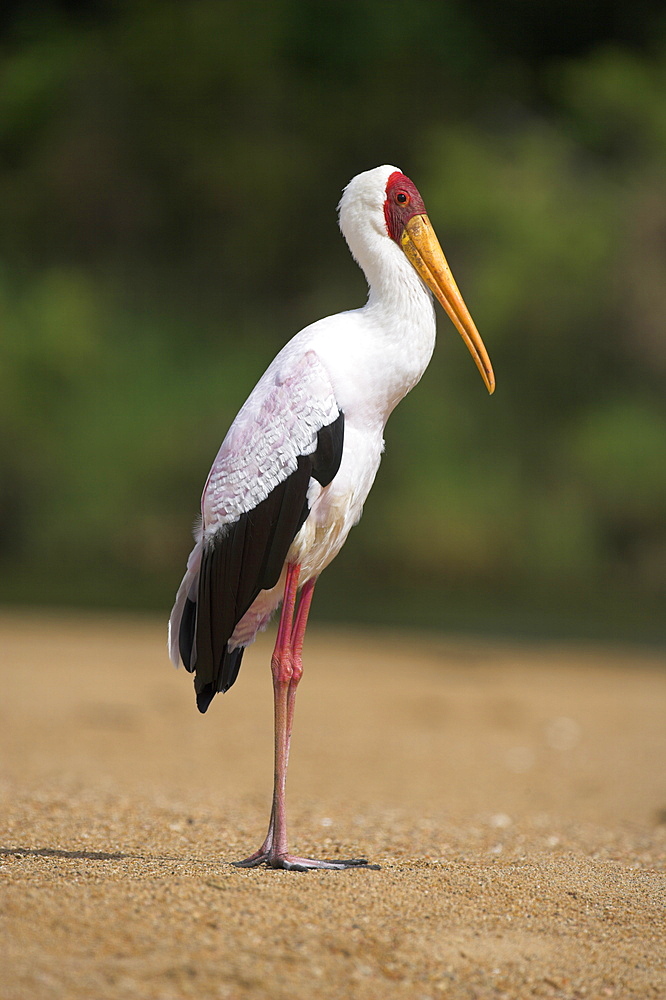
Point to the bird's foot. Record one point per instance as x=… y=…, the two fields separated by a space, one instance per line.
x=293 y=863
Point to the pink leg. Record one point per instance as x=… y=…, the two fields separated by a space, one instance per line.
x=287 y=669
x=297 y=636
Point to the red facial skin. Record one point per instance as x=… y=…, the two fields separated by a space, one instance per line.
x=402 y=202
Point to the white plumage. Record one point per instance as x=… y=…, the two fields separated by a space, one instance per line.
x=301 y=456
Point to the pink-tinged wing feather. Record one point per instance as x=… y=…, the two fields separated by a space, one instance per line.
x=279 y=422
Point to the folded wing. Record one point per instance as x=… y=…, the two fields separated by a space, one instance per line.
x=289 y=432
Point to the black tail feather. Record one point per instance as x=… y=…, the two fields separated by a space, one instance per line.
x=231 y=663
x=205 y=697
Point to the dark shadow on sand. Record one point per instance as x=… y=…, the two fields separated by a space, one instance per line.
x=54 y=852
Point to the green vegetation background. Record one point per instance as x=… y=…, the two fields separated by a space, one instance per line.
x=169 y=174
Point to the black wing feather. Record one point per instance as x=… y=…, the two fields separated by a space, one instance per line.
x=290 y=516
x=328 y=454
x=243 y=559
x=187 y=633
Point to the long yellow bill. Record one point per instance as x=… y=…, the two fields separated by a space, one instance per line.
x=422 y=248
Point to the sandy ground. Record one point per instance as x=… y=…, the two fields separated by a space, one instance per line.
x=514 y=796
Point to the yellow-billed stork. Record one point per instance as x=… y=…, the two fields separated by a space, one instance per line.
x=298 y=462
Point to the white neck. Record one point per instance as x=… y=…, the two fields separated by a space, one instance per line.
x=396 y=293
x=398 y=317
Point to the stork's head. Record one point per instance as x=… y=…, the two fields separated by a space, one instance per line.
x=385 y=203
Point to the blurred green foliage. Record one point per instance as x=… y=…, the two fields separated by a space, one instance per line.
x=168 y=180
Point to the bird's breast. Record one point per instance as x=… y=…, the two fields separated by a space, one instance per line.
x=374 y=357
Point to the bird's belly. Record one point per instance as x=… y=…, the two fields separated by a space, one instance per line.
x=324 y=532
x=338 y=507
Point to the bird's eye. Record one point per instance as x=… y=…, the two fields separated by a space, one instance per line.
x=402 y=198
